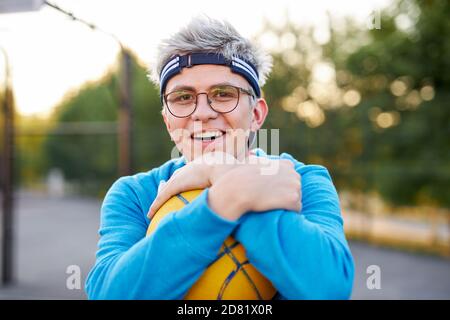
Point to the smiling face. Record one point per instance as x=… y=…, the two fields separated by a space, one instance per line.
x=192 y=135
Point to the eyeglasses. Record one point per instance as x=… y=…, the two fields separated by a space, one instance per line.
x=222 y=99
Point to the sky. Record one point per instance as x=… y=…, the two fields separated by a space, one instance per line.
x=50 y=55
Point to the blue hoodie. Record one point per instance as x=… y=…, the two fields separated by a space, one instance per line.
x=305 y=256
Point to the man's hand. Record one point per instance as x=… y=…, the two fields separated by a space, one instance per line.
x=198 y=174
x=247 y=188
x=236 y=187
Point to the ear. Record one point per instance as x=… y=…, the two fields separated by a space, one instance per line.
x=259 y=114
x=166 y=121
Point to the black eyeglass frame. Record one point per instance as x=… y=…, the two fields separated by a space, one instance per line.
x=249 y=92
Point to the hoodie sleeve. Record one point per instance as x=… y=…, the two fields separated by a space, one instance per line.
x=305 y=255
x=163 y=265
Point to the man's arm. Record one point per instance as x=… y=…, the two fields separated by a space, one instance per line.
x=305 y=255
x=163 y=265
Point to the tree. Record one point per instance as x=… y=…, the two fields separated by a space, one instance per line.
x=90 y=160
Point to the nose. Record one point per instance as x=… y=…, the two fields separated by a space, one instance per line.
x=203 y=112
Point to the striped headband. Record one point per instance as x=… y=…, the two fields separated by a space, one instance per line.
x=237 y=65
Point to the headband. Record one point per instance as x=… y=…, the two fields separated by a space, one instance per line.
x=236 y=64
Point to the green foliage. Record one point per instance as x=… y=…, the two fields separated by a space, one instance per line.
x=90 y=160
x=414 y=153
x=381 y=124
x=405 y=161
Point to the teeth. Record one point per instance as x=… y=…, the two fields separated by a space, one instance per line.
x=207 y=134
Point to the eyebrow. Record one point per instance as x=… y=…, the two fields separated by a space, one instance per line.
x=185 y=87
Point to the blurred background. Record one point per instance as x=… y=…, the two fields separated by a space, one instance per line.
x=361 y=87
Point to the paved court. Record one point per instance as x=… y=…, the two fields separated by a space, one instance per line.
x=55 y=233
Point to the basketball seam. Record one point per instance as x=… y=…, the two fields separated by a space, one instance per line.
x=240 y=266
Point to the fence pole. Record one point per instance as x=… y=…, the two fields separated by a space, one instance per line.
x=125 y=116
x=7 y=187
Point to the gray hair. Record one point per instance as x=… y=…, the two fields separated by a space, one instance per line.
x=204 y=34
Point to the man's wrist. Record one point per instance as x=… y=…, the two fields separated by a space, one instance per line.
x=225 y=202
x=220 y=168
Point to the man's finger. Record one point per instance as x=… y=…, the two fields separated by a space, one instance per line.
x=160 y=199
x=164 y=194
x=155 y=205
x=151 y=211
x=161 y=185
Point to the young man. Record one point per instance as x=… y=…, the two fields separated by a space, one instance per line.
x=288 y=219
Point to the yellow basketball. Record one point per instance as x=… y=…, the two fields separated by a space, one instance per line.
x=230 y=276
